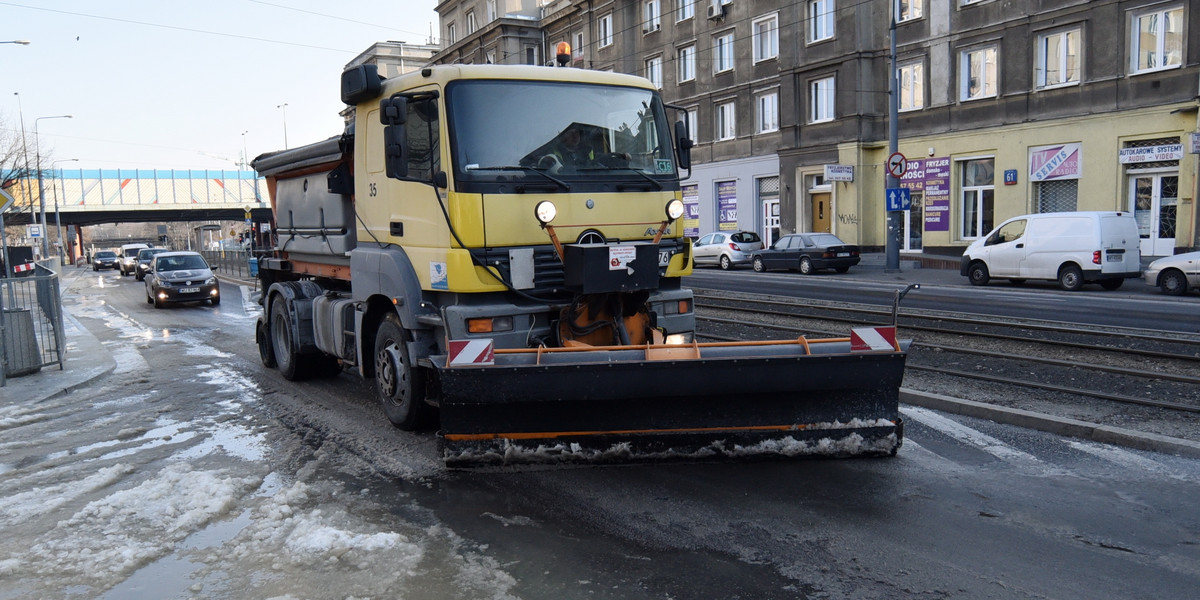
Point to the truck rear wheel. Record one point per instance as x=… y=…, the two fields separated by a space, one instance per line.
x=400 y=386
x=266 y=353
x=281 y=341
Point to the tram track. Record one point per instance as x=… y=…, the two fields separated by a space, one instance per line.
x=1122 y=375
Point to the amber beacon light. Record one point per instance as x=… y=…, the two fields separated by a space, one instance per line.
x=563 y=53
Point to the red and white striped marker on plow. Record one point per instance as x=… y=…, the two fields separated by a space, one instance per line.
x=872 y=339
x=23 y=268
x=467 y=353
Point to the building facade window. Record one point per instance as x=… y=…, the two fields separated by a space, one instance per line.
x=450 y=34
x=1057 y=195
x=651 y=16
x=912 y=85
x=766 y=112
x=909 y=10
x=766 y=37
x=654 y=71
x=977 y=197
x=687 y=10
x=604 y=31
x=726 y=121
x=1057 y=56
x=723 y=53
x=471 y=26
x=978 y=73
x=693 y=124
x=1157 y=39
x=491 y=10
x=820 y=20
x=821 y=94
x=686 y=58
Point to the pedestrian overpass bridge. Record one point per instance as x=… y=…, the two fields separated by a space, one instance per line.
x=97 y=196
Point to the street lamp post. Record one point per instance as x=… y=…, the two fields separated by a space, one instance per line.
x=284 y=108
x=37 y=150
x=245 y=155
x=21 y=42
x=58 y=215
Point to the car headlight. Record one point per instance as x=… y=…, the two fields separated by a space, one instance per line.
x=210 y=281
x=165 y=284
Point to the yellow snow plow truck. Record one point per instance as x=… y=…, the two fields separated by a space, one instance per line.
x=498 y=248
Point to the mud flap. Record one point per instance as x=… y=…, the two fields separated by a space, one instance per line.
x=623 y=404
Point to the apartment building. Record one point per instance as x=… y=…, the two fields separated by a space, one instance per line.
x=1005 y=107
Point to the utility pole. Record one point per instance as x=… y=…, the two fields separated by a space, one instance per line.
x=892 y=247
x=37 y=149
x=284 y=108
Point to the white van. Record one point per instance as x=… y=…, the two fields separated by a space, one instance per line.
x=128 y=257
x=1071 y=247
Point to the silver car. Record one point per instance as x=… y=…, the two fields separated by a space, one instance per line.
x=1175 y=275
x=726 y=249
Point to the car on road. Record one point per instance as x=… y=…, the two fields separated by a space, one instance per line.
x=1174 y=275
x=809 y=253
x=726 y=249
x=105 y=259
x=128 y=256
x=144 y=256
x=180 y=277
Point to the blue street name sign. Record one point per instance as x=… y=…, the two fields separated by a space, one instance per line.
x=899 y=199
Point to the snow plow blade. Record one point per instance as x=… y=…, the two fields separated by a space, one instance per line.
x=636 y=404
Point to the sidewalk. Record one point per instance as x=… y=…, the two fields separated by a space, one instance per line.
x=86 y=361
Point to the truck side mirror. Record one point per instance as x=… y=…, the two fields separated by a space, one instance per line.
x=360 y=84
x=683 y=145
x=395 y=151
x=394 y=110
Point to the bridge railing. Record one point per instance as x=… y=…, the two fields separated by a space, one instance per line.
x=31 y=322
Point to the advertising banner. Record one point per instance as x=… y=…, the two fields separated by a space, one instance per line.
x=1061 y=161
x=691 y=210
x=931 y=177
x=727 y=219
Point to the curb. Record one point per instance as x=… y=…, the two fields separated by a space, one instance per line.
x=1057 y=425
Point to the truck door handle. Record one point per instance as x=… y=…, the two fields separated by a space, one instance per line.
x=1020 y=245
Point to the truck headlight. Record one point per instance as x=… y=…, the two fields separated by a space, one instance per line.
x=674 y=209
x=545 y=211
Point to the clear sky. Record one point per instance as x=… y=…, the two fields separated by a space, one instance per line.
x=173 y=84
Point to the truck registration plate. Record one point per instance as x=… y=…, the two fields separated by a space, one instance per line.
x=191 y=290
x=664 y=257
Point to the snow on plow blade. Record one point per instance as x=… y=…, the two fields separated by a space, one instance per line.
x=628 y=404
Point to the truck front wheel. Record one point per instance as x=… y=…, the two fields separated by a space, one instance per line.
x=400 y=386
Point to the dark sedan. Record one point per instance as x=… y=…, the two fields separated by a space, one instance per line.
x=105 y=260
x=144 y=256
x=180 y=277
x=808 y=252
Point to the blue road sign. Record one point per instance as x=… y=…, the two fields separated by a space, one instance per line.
x=899 y=199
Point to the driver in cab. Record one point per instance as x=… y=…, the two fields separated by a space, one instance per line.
x=571 y=151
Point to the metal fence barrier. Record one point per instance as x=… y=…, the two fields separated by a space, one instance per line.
x=234 y=263
x=31 y=322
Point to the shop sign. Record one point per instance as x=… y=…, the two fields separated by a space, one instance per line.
x=727 y=219
x=1060 y=161
x=1194 y=142
x=839 y=172
x=931 y=177
x=691 y=210
x=1145 y=154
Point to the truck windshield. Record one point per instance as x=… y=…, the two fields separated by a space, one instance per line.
x=572 y=131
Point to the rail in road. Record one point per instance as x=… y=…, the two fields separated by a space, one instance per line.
x=1142 y=376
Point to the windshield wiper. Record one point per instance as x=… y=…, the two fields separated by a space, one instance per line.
x=657 y=184
x=565 y=186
